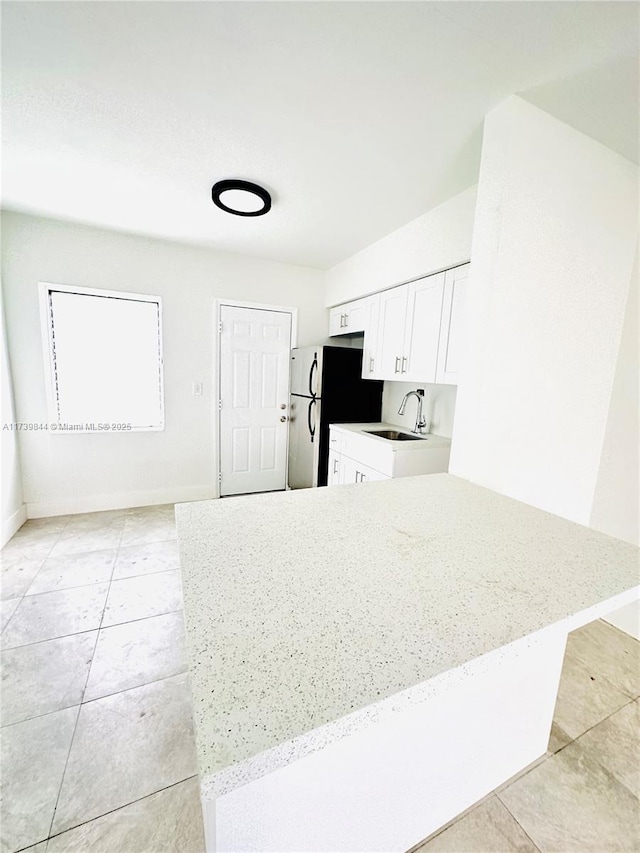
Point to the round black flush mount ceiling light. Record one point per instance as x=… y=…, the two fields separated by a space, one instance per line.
x=242 y=198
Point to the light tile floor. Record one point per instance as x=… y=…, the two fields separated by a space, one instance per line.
x=97 y=741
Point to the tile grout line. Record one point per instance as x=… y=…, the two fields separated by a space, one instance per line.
x=113 y=811
x=505 y=806
x=87 y=630
x=75 y=728
x=95 y=583
x=97 y=699
x=118 y=549
x=617 y=710
x=24 y=594
x=22 y=598
x=135 y=687
x=499 y=791
x=102 y=627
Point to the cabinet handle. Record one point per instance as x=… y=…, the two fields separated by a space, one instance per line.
x=371 y=361
x=342 y=321
x=335 y=466
x=404 y=364
x=396 y=369
x=346 y=321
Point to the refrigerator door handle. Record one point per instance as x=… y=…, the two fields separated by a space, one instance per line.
x=314 y=367
x=311 y=424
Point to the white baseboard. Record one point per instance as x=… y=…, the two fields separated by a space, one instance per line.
x=122 y=500
x=12 y=524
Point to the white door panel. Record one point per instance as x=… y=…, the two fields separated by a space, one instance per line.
x=452 y=327
x=254 y=387
x=391 y=325
x=423 y=330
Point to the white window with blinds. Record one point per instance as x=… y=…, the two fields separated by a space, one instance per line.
x=103 y=354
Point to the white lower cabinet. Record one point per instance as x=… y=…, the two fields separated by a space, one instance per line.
x=357 y=457
x=343 y=469
x=334 y=473
x=352 y=471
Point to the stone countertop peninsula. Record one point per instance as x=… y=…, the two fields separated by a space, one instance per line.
x=307 y=611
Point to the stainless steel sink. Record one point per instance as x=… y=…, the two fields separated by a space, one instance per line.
x=394 y=435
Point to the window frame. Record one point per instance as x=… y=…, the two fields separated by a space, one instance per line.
x=55 y=424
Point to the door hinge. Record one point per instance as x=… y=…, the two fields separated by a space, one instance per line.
x=219 y=405
x=220 y=477
x=220 y=326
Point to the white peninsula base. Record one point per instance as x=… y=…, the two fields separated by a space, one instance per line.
x=369 y=661
x=434 y=751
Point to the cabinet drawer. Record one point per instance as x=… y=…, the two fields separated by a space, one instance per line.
x=369 y=452
x=335 y=441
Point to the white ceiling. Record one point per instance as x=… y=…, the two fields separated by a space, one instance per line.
x=357 y=116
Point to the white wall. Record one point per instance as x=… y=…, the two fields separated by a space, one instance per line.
x=14 y=512
x=616 y=509
x=438 y=407
x=76 y=473
x=434 y=241
x=552 y=255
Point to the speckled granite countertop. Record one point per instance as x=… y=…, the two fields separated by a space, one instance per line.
x=307 y=609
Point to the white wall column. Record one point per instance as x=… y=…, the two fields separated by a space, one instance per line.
x=552 y=255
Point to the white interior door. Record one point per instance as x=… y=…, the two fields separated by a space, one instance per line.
x=255 y=345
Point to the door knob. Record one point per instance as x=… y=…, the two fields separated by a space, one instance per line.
x=283 y=419
x=283 y=405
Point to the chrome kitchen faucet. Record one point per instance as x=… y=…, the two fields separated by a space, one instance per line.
x=420 y=421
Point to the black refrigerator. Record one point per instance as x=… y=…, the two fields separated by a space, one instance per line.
x=326 y=388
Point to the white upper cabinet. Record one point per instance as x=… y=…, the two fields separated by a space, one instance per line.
x=408 y=330
x=413 y=332
x=349 y=318
x=391 y=325
x=422 y=331
x=452 y=325
x=370 y=349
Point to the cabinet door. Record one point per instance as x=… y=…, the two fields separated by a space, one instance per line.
x=350 y=318
x=353 y=471
x=348 y=470
x=365 y=474
x=391 y=325
x=370 y=359
x=336 y=321
x=333 y=473
x=452 y=326
x=356 y=315
x=424 y=309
